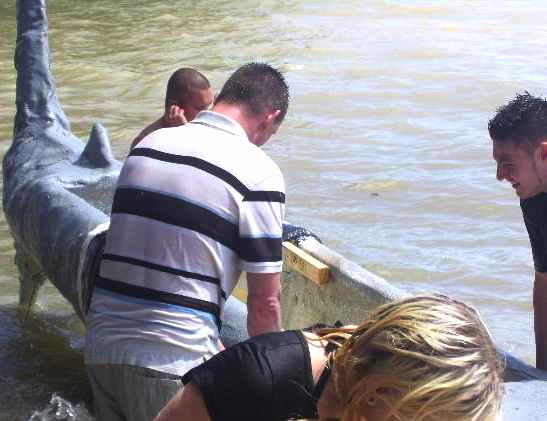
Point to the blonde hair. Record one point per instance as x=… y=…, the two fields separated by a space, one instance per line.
x=425 y=358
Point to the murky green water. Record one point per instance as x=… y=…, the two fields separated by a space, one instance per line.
x=385 y=149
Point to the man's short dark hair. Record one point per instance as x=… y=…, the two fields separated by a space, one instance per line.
x=523 y=121
x=182 y=83
x=259 y=87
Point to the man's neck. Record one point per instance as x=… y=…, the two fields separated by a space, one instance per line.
x=161 y=122
x=235 y=112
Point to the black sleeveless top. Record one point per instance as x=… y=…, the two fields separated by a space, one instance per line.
x=267 y=377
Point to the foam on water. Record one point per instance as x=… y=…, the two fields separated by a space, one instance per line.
x=60 y=409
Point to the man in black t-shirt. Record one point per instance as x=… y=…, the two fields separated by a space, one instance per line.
x=519 y=135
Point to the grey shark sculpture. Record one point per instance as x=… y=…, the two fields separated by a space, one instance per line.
x=58 y=189
x=44 y=166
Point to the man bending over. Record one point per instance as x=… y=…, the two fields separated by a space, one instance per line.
x=194 y=206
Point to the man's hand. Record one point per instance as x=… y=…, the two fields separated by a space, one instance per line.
x=174 y=116
x=263 y=303
x=540 y=319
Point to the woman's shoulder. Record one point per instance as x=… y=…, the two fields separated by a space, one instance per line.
x=273 y=339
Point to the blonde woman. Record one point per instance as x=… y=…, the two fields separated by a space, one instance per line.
x=421 y=358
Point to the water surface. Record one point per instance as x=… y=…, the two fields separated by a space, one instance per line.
x=385 y=150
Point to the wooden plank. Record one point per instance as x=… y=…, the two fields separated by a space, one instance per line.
x=240 y=294
x=297 y=259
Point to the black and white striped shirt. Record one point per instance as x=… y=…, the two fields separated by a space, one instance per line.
x=194 y=206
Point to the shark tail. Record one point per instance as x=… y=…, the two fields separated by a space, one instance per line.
x=36 y=95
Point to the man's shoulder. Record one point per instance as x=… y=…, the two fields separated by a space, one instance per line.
x=238 y=155
x=535 y=208
x=152 y=127
x=538 y=201
x=264 y=169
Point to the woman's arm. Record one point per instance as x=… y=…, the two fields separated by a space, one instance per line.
x=186 y=405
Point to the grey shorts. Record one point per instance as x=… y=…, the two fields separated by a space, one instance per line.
x=130 y=393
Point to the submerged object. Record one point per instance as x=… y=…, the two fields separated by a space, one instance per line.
x=57 y=195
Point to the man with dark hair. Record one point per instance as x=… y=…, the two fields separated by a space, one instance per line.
x=188 y=93
x=195 y=205
x=519 y=135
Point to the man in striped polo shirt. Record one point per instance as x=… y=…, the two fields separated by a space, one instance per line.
x=194 y=206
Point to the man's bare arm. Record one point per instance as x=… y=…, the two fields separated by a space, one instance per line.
x=186 y=405
x=540 y=319
x=263 y=303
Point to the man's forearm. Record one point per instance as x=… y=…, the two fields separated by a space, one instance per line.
x=540 y=319
x=264 y=316
x=263 y=303
x=186 y=405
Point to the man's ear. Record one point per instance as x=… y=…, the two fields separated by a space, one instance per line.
x=271 y=117
x=268 y=119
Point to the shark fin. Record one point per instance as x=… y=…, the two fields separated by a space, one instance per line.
x=97 y=152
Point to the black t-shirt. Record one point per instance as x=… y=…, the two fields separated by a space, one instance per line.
x=267 y=377
x=534 y=211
